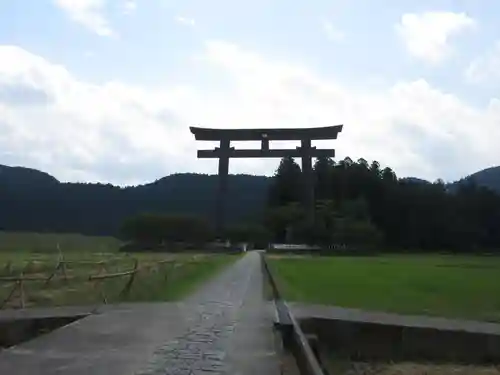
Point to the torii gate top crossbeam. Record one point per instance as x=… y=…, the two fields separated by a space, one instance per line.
x=285 y=134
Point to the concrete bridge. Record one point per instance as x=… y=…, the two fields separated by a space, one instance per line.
x=224 y=328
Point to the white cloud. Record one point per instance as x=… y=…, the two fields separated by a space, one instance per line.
x=411 y=126
x=122 y=133
x=331 y=32
x=427 y=35
x=185 y=21
x=79 y=130
x=88 y=13
x=485 y=68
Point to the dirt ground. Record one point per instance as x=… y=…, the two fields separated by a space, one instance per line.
x=406 y=368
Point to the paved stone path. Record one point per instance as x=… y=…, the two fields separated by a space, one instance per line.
x=224 y=328
x=230 y=329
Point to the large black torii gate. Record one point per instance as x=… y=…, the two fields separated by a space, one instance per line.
x=224 y=152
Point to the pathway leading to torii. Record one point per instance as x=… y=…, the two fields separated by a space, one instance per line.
x=224 y=328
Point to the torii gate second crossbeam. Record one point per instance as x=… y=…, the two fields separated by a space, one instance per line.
x=224 y=152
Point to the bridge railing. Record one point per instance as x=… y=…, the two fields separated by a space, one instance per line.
x=294 y=339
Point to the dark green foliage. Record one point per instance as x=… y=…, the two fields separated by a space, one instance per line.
x=347 y=223
x=33 y=201
x=360 y=203
x=323 y=177
x=407 y=213
x=280 y=220
x=157 y=229
x=143 y=228
x=287 y=184
x=251 y=233
x=356 y=233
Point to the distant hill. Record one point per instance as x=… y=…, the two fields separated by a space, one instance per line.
x=21 y=177
x=32 y=200
x=414 y=180
x=489 y=178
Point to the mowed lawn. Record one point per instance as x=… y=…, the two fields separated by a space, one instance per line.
x=162 y=276
x=437 y=285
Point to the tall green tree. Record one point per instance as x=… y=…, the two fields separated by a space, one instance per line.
x=323 y=168
x=375 y=167
x=388 y=175
x=286 y=186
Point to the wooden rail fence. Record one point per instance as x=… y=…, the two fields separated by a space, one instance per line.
x=96 y=279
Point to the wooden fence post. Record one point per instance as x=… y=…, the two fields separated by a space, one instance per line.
x=53 y=272
x=16 y=285
x=102 y=266
x=21 y=289
x=60 y=263
x=63 y=268
x=126 y=290
x=19 y=284
x=98 y=281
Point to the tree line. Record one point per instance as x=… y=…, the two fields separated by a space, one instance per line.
x=33 y=201
x=361 y=203
x=357 y=203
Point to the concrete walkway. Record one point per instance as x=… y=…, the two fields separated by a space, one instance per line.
x=224 y=328
x=310 y=311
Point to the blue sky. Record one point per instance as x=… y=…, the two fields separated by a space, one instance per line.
x=105 y=90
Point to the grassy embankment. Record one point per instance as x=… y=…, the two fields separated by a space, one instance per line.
x=437 y=285
x=38 y=255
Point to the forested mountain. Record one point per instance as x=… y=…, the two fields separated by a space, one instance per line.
x=355 y=201
x=21 y=177
x=31 y=200
x=489 y=177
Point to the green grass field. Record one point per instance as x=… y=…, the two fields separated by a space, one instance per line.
x=49 y=242
x=38 y=254
x=437 y=285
